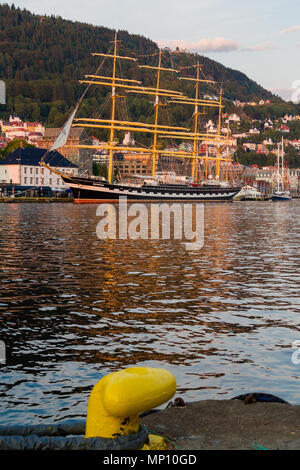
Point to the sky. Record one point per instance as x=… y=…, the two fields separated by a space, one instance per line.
x=259 y=37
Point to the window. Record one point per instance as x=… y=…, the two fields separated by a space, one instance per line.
x=58 y=183
x=36 y=171
x=31 y=170
x=31 y=180
x=50 y=181
x=25 y=180
x=25 y=169
x=36 y=181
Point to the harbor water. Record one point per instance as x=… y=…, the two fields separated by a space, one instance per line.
x=74 y=308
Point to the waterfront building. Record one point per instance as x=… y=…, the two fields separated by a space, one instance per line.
x=22 y=168
x=100 y=157
x=130 y=164
x=294 y=181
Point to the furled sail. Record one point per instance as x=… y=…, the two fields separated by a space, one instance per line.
x=62 y=137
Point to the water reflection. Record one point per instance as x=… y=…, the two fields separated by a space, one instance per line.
x=74 y=308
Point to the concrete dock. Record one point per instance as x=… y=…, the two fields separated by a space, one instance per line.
x=17 y=200
x=229 y=425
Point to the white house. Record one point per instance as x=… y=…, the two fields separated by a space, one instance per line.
x=128 y=140
x=234 y=118
x=254 y=130
x=268 y=124
x=22 y=167
x=210 y=126
x=250 y=146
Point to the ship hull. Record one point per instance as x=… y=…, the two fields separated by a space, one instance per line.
x=281 y=196
x=88 y=191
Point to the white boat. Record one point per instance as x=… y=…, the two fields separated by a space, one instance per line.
x=249 y=193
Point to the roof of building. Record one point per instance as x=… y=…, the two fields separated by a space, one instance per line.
x=53 y=132
x=32 y=156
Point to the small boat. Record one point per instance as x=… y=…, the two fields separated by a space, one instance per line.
x=249 y=193
x=282 y=196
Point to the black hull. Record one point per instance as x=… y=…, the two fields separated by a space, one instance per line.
x=89 y=190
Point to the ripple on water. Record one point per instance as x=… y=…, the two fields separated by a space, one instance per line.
x=74 y=308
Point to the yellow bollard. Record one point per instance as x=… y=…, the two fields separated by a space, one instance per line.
x=118 y=398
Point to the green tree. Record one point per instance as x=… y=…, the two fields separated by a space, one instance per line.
x=14 y=145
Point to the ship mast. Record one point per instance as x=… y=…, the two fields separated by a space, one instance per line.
x=113 y=111
x=219 y=133
x=157 y=104
x=282 y=163
x=196 y=116
x=278 y=167
x=198 y=136
x=227 y=151
x=156 y=108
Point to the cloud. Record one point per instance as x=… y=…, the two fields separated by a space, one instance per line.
x=285 y=93
x=215 y=45
x=203 y=45
x=265 y=46
x=290 y=30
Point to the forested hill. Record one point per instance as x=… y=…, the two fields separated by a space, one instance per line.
x=43 y=57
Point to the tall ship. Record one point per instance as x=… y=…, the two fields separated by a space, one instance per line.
x=152 y=187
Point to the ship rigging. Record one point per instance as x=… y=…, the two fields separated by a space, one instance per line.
x=96 y=190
